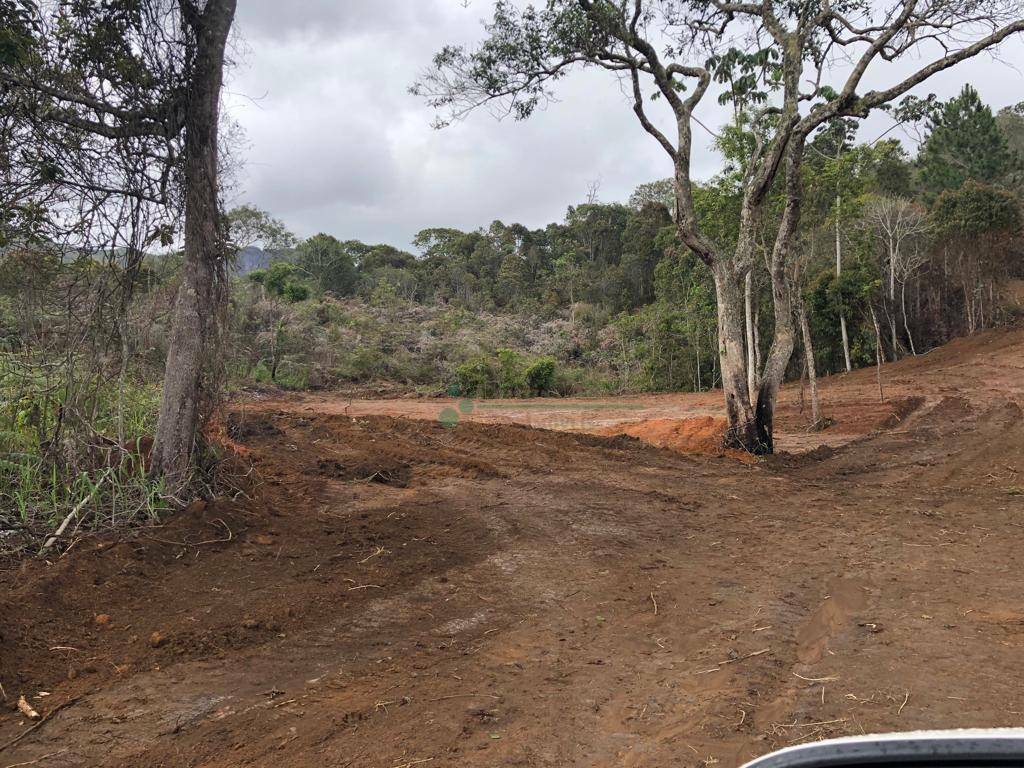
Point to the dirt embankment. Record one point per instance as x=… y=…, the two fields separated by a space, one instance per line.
x=699 y=434
x=398 y=592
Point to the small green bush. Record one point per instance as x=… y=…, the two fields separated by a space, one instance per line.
x=476 y=377
x=384 y=294
x=292 y=376
x=511 y=381
x=572 y=381
x=295 y=292
x=540 y=375
x=507 y=374
x=282 y=279
x=361 y=364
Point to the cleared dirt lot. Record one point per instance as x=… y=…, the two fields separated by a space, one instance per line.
x=398 y=592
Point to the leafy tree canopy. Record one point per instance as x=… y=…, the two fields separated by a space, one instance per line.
x=964 y=142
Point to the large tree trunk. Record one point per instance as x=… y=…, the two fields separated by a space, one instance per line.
x=784 y=337
x=190 y=378
x=741 y=432
x=783 y=343
x=748 y=313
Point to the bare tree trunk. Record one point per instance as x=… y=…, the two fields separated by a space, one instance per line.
x=839 y=272
x=893 y=255
x=803 y=375
x=906 y=323
x=812 y=373
x=742 y=430
x=189 y=387
x=968 y=307
x=752 y=366
x=700 y=387
x=778 y=360
x=716 y=374
x=878 y=350
x=757 y=342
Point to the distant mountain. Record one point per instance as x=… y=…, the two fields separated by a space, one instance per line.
x=250 y=259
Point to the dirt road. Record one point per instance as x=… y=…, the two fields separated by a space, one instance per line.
x=398 y=592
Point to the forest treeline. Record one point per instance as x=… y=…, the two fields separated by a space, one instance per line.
x=923 y=246
x=896 y=254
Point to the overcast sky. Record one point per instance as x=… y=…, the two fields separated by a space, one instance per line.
x=335 y=143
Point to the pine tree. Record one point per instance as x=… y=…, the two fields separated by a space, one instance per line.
x=964 y=142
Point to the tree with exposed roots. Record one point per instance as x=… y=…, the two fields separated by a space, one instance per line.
x=139 y=79
x=778 y=62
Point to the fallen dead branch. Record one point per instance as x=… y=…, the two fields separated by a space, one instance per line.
x=414 y=762
x=747 y=656
x=819 y=723
x=228 y=538
x=829 y=679
x=467 y=695
x=721 y=664
x=779 y=729
x=73 y=514
x=905 y=700
x=375 y=553
x=49 y=716
x=38 y=759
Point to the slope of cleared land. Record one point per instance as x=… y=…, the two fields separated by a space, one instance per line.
x=395 y=592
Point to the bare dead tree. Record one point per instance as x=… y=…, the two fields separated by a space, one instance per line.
x=878 y=349
x=896 y=222
x=844 y=333
x=803 y=257
x=780 y=57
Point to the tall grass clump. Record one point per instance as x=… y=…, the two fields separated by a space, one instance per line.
x=72 y=452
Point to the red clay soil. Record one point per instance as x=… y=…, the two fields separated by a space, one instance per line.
x=395 y=592
x=686 y=422
x=699 y=434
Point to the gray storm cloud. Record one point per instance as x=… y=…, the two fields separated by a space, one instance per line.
x=335 y=143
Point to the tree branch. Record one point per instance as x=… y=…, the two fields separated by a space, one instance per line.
x=638 y=108
x=877 y=98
